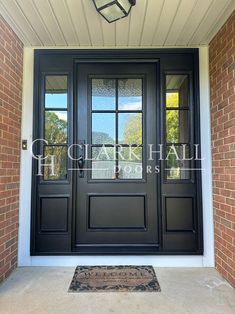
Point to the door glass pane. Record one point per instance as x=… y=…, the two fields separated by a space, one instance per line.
x=103 y=169
x=130 y=94
x=103 y=153
x=130 y=163
x=103 y=94
x=56 y=88
x=56 y=126
x=103 y=128
x=130 y=128
x=127 y=125
x=60 y=163
x=177 y=126
x=177 y=93
x=103 y=162
x=177 y=165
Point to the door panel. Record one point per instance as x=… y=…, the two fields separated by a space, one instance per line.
x=116 y=200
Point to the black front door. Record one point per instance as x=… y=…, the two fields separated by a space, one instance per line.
x=116 y=197
x=109 y=109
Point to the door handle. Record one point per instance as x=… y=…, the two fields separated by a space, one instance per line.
x=80 y=163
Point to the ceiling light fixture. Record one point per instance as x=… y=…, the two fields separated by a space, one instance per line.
x=113 y=10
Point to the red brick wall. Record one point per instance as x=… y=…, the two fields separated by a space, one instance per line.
x=222 y=82
x=11 y=67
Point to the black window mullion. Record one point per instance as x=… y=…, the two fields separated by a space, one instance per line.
x=116 y=128
x=103 y=111
x=56 y=144
x=101 y=145
x=177 y=108
x=55 y=109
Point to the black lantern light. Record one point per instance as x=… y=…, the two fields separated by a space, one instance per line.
x=113 y=10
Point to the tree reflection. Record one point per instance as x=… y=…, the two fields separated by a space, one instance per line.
x=55 y=133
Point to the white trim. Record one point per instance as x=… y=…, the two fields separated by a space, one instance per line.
x=26 y=161
x=157 y=261
x=205 y=121
x=24 y=258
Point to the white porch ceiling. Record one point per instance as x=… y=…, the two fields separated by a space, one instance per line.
x=152 y=23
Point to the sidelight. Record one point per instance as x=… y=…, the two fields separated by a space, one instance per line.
x=177 y=127
x=55 y=126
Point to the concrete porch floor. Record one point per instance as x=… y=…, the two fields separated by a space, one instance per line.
x=184 y=290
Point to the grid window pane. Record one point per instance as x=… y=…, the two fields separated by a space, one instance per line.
x=177 y=90
x=59 y=155
x=177 y=126
x=56 y=91
x=130 y=128
x=177 y=165
x=130 y=164
x=103 y=94
x=103 y=169
x=130 y=94
x=103 y=128
x=56 y=126
x=103 y=153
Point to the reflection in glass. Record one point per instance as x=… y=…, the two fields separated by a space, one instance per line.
x=177 y=93
x=103 y=153
x=177 y=167
x=60 y=163
x=130 y=128
x=172 y=99
x=177 y=126
x=130 y=163
x=56 y=91
x=103 y=169
x=56 y=127
x=103 y=94
x=103 y=128
x=130 y=94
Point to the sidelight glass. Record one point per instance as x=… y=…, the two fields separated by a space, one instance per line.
x=177 y=126
x=177 y=162
x=56 y=126
x=177 y=91
x=103 y=94
x=56 y=91
x=57 y=156
x=172 y=99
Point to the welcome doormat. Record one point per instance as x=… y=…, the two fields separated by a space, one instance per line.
x=114 y=278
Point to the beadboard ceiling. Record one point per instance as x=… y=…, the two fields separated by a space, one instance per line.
x=152 y=23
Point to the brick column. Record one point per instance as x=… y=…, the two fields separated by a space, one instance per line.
x=11 y=72
x=222 y=82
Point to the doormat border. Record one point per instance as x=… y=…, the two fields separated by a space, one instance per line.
x=148 y=284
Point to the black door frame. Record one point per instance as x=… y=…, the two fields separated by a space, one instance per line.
x=135 y=249
x=167 y=60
